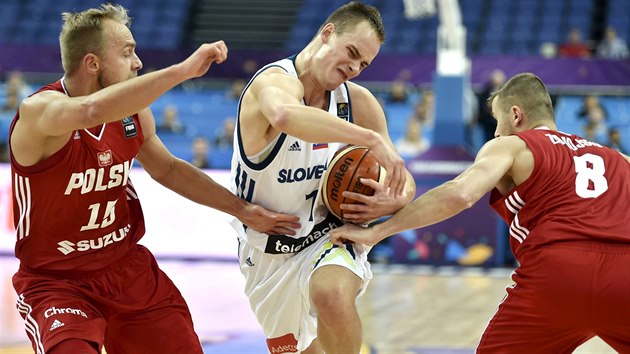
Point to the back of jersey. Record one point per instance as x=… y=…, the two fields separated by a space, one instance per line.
x=579 y=191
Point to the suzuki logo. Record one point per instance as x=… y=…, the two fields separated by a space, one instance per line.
x=66 y=247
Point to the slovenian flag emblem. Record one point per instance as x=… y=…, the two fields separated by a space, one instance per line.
x=320 y=146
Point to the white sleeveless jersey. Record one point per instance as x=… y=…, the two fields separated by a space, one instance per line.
x=288 y=179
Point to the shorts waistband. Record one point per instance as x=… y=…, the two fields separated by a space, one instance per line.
x=283 y=244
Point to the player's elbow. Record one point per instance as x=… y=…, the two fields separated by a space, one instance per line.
x=459 y=197
x=279 y=118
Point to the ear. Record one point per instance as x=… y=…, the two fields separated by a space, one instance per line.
x=327 y=31
x=517 y=116
x=92 y=63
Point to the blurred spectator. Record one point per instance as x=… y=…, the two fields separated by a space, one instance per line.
x=589 y=132
x=574 y=47
x=17 y=86
x=11 y=104
x=596 y=129
x=612 y=47
x=237 y=87
x=428 y=100
x=398 y=92
x=250 y=66
x=225 y=137
x=413 y=143
x=484 y=117
x=614 y=141
x=589 y=103
x=16 y=90
x=170 y=121
x=200 y=150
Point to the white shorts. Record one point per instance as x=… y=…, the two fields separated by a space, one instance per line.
x=277 y=286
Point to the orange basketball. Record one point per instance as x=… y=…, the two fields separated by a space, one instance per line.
x=344 y=172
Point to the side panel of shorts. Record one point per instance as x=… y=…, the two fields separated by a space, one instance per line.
x=55 y=310
x=561 y=298
x=278 y=286
x=129 y=306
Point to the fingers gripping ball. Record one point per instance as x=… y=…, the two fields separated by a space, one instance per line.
x=344 y=172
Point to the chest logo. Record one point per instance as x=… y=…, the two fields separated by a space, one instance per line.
x=104 y=158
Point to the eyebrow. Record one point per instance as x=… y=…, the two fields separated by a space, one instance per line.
x=356 y=53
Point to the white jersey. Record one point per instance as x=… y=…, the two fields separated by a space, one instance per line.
x=288 y=179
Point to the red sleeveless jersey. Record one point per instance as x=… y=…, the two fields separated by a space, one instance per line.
x=77 y=210
x=578 y=192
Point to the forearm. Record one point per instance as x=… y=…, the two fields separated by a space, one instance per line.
x=315 y=125
x=131 y=96
x=193 y=184
x=432 y=207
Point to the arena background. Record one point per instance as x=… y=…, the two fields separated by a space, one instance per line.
x=438 y=57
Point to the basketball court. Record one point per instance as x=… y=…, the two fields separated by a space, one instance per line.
x=406 y=310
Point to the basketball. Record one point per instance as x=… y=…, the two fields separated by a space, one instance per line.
x=344 y=172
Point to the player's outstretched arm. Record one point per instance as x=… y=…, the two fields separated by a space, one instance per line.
x=492 y=163
x=56 y=114
x=192 y=183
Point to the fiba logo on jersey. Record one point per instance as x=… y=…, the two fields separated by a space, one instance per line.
x=104 y=158
x=342 y=110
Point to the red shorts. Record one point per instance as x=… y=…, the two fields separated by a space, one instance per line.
x=562 y=297
x=130 y=307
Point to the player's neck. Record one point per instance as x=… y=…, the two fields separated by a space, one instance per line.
x=76 y=86
x=314 y=94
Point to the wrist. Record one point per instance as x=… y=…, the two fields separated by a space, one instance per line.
x=372 y=139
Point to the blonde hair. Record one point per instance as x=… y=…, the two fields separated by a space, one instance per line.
x=529 y=93
x=82 y=33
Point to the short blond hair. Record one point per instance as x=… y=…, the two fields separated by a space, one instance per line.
x=82 y=33
x=527 y=91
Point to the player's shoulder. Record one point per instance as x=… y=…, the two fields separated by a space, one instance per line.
x=505 y=144
x=359 y=93
x=355 y=88
x=39 y=101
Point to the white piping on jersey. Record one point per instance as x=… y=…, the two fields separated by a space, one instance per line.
x=131 y=194
x=515 y=203
x=30 y=324
x=131 y=190
x=23 y=197
x=63 y=86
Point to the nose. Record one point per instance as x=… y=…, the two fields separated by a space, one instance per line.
x=137 y=63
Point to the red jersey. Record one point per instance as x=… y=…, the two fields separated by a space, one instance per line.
x=77 y=210
x=578 y=192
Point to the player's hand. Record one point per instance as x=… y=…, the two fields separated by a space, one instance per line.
x=353 y=234
x=387 y=156
x=383 y=202
x=199 y=62
x=268 y=222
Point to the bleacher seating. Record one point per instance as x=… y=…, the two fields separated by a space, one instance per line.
x=156 y=24
x=494 y=27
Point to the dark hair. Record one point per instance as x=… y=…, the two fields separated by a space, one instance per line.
x=527 y=91
x=353 y=13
